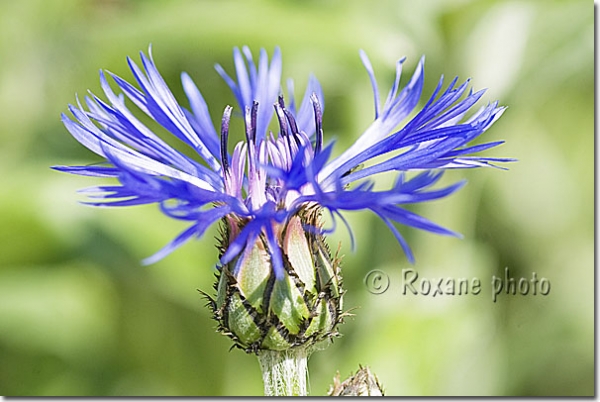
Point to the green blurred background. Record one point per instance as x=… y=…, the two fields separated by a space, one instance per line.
x=80 y=316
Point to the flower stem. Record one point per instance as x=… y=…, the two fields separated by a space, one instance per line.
x=284 y=372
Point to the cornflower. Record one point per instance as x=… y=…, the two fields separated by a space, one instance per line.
x=279 y=287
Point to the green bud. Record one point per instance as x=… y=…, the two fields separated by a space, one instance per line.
x=259 y=312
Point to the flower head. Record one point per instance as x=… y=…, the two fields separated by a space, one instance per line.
x=273 y=177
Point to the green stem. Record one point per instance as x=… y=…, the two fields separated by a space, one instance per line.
x=284 y=372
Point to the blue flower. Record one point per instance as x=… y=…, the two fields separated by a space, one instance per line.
x=270 y=177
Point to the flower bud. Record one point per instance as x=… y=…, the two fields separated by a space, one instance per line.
x=363 y=383
x=261 y=312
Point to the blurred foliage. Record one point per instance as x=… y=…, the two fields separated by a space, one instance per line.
x=80 y=316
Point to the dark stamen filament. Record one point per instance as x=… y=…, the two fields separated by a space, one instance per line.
x=251 y=122
x=283 y=126
x=280 y=101
x=283 y=131
x=224 y=137
x=318 y=122
x=253 y=119
x=293 y=125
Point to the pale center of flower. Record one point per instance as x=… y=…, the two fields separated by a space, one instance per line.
x=273 y=168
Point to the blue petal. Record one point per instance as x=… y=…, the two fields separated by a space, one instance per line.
x=474 y=149
x=120 y=123
x=91 y=170
x=367 y=63
x=204 y=219
x=173 y=245
x=254 y=84
x=162 y=106
x=408 y=218
x=276 y=258
x=201 y=117
x=251 y=230
x=405 y=247
x=305 y=116
x=397 y=108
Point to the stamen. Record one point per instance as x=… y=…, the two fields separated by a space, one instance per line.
x=318 y=122
x=253 y=119
x=293 y=126
x=283 y=131
x=224 y=137
x=251 y=122
x=280 y=111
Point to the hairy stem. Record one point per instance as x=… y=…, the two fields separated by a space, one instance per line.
x=285 y=373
